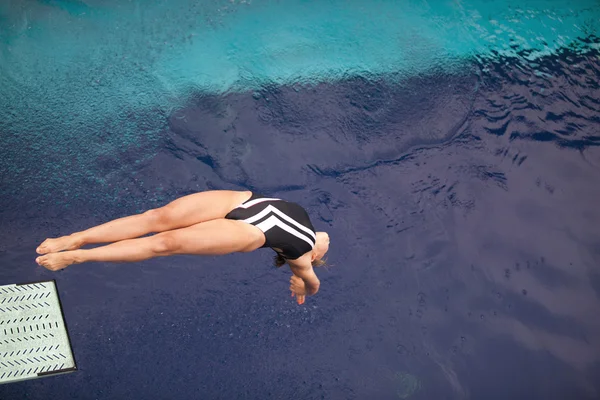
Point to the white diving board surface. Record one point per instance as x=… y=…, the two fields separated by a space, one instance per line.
x=34 y=341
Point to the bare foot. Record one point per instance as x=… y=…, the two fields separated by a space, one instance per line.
x=56 y=261
x=59 y=244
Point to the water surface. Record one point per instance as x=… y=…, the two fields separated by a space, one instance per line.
x=450 y=150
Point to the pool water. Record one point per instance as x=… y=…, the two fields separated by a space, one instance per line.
x=450 y=149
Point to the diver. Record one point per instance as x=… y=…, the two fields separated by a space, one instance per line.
x=213 y=222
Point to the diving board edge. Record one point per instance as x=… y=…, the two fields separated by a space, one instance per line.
x=24 y=307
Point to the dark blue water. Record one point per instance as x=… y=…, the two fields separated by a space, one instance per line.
x=462 y=209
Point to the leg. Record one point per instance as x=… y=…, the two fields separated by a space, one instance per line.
x=216 y=237
x=185 y=211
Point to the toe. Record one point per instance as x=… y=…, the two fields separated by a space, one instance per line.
x=43 y=248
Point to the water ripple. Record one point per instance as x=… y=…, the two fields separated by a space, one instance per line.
x=554 y=99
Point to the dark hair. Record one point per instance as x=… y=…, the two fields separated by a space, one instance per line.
x=279 y=261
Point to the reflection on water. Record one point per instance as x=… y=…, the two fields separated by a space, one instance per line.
x=89 y=83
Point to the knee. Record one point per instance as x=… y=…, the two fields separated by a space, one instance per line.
x=165 y=244
x=158 y=218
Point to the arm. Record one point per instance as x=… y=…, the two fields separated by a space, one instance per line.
x=302 y=268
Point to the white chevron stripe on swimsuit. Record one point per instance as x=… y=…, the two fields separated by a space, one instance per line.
x=274 y=221
x=255 y=201
x=270 y=209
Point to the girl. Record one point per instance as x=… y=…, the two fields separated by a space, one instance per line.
x=207 y=223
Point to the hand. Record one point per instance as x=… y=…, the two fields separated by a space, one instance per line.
x=297 y=287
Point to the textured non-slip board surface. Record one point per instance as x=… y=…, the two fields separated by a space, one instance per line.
x=33 y=337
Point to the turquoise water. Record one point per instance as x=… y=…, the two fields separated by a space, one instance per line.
x=231 y=45
x=101 y=75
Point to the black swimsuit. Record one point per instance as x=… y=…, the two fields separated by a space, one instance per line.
x=286 y=225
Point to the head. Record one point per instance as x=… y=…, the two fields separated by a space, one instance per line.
x=321 y=247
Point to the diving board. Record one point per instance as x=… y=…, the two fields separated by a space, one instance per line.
x=34 y=341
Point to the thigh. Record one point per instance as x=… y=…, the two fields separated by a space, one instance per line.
x=200 y=207
x=215 y=237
